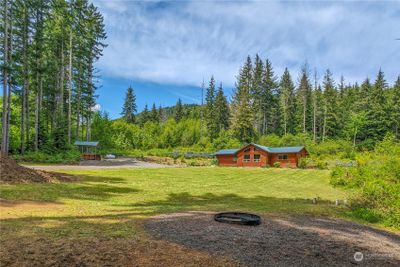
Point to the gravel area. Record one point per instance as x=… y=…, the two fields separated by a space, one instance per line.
x=295 y=240
x=103 y=164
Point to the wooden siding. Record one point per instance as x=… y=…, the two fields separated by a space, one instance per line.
x=226 y=160
x=266 y=159
x=263 y=157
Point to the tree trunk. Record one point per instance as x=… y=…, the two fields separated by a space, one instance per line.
x=78 y=106
x=61 y=99
x=25 y=115
x=4 y=145
x=304 y=112
x=315 y=120
x=324 y=126
x=8 y=116
x=37 y=111
x=70 y=87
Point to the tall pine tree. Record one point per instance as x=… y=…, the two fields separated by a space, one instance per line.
x=129 y=107
x=221 y=110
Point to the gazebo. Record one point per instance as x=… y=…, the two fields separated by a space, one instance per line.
x=88 y=150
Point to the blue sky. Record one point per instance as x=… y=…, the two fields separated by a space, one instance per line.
x=165 y=49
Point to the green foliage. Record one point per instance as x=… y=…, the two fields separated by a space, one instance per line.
x=376 y=180
x=129 y=107
x=65 y=157
x=178 y=110
x=277 y=164
x=303 y=163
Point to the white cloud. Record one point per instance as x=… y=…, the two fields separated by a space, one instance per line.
x=182 y=42
x=96 y=108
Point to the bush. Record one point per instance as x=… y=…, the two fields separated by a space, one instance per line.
x=366 y=214
x=277 y=164
x=321 y=165
x=66 y=157
x=375 y=181
x=303 y=163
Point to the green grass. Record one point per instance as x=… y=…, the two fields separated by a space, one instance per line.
x=113 y=202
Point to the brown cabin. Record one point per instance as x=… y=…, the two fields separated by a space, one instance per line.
x=254 y=155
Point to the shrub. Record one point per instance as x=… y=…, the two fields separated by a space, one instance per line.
x=277 y=164
x=66 y=157
x=375 y=181
x=366 y=214
x=303 y=163
x=322 y=165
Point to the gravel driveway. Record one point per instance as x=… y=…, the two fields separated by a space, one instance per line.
x=296 y=240
x=103 y=164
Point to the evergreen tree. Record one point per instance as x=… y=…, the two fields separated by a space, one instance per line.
x=154 y=115
x=129 y=107
x=269 y=100
x=221 y=110
x=330 y=107
x=287 y=102
x=242 y=111
x=257 y=94
x=303 y=102
x=144 y=116
x=178 y=111
x=210 y=112
x=395 y=104
x=378 y=122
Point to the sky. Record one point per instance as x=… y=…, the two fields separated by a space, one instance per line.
x=164 y=50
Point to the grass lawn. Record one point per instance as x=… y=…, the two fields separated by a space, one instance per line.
x=113 y=202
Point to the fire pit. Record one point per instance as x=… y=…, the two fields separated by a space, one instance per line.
x=238 y=218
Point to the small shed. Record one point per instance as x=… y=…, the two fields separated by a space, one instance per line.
x=88 y=150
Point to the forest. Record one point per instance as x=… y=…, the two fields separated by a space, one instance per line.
x=267 y=109
x=48 y=51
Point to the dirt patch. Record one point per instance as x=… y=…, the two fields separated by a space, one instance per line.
x=104 y=164
x=27 y=204
x=281 y=241
x=102 y=252
x=11 y=172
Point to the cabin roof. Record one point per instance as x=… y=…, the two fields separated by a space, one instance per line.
x=272 y=150
x=86 y=143
x=227 y=152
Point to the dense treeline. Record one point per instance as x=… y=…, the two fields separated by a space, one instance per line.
x=48 y=50
x=265 y=105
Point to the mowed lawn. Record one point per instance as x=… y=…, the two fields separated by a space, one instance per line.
x=114 y=202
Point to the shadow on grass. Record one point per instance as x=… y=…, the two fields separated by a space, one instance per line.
x=278 y=241
x=209 y=201
x=88 y=188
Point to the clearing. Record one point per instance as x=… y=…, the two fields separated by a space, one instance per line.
x=108 y=217
x=120 y=162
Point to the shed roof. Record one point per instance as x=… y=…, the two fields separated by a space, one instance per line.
x=86 y=143
x=272 y=150
x=227 y=152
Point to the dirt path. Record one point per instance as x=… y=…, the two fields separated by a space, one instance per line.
x=281 y=240
x=36 y=251
x=103 y=164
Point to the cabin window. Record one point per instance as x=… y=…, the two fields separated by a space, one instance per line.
x=283 y=156
x=257 y=158
x=246 y=158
